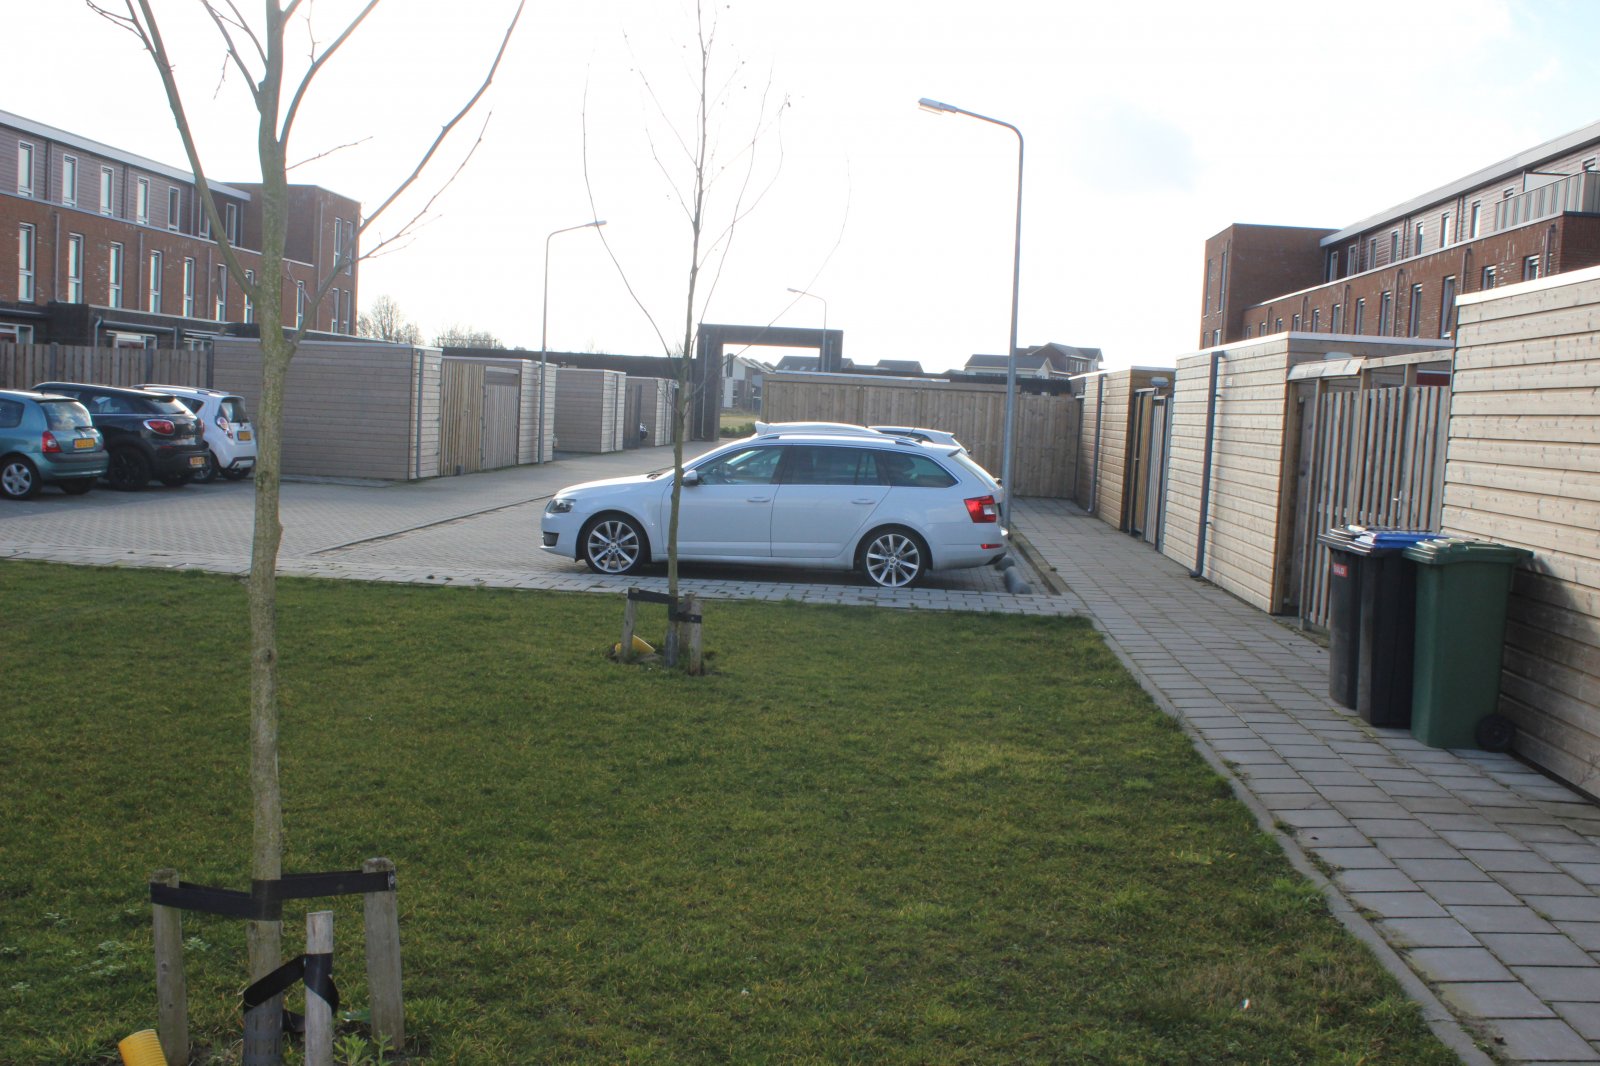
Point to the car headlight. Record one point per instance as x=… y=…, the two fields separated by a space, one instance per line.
x=558 y=506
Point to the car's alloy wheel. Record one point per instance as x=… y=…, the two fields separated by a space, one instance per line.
x=613 y=546
x=18 y=479
x=129 y=470
x=205 y=473
x=894 y=559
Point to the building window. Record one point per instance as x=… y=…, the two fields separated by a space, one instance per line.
x=1385 y=313
x=25 y=263
x=141 y=201
x=1216 y=336
x=152 y=302
x=1488 y=277
x=299 y=304
x=172 y=209
x=114 y=274
x=1278 y=326
x=1296 y=326
x=1416 y=249
x=1444 y=230
x=1477 y=218
x=335 y=294
x=188 y=288
x=1336 y=320
x=1333 y=267
x=24 y=168
x=74 y=268
x=1588 y=164
x=1205 y=302
x=1447 y=307
x=10 y=334
x=107 y=183
x=249 y=304
x=205 y=225
x=1372 y=252
x=69 y=180
x=1530 y=268
x=1414 y=323
x=219 y=296
x=1361 y=315
x=1352 y=259
x=231 y=223
x=1222 y=281
x=1394 y=246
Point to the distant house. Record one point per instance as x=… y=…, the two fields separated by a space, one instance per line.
x=1044 y=361
x=741 y=382
x=899 y=366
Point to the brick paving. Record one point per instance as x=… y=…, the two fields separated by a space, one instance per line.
x=1473 y=878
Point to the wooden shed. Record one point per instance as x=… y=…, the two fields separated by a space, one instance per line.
x=361 y=409
x=590 y=409
x=1121 y=451
x=650 y=406
x=1523 y=468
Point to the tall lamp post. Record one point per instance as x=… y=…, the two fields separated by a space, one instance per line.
x=822 y=352
x=544 y=321
x=1016 y=277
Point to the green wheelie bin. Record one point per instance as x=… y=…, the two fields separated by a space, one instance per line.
x=1462 y=588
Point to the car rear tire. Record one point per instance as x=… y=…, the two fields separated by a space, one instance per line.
x=176 y=481
x=894 y=558
x=77 y=486
x=235 y=474
x=18 y=479
x=130 y=470
x=206 y=473
x=614 y=544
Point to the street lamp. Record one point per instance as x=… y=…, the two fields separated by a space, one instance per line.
x=544 y=321
x=822 y=351
x=1016 y=277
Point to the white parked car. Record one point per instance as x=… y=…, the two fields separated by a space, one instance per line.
x=230 y=438
x=890 y=507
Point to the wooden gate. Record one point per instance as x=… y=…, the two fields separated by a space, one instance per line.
x=1147 y=465
x=1373 y=457
x=480 y=408
x=502 y=408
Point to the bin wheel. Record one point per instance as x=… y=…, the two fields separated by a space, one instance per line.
x=1495 y=732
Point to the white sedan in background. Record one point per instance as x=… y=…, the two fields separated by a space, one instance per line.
x=891 y=507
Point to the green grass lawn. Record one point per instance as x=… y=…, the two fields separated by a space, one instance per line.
x=868 y=836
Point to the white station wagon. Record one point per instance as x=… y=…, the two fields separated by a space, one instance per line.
x=890 y=507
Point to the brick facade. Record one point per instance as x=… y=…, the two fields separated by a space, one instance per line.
x=84 y=200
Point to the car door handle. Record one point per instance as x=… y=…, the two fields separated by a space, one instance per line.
x=759 y=499
x=866 y=501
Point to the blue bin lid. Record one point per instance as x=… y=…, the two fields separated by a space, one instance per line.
x=1396 y=538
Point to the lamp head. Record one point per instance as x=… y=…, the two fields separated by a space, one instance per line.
x=935 y=106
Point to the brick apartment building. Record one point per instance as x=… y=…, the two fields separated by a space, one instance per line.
x=102 y=247
x=1397 y=274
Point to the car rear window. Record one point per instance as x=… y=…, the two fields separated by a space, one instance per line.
x=913 y=471
x=233 y=409
x=162 y=406
x=977 y=471
x=10 y=413
x=65 y=414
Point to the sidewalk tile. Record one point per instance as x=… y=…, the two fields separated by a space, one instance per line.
x=1458 y=964
x=1496 y=999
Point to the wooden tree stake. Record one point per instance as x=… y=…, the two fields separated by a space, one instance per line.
x=172 y=992
x=383 y=960
x=319 y=1012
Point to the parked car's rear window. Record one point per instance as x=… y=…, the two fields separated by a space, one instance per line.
x=167 y=407
x=10 y=413
x=193 y=403
x=233 y=408
x=914 y=471
x=65 y=414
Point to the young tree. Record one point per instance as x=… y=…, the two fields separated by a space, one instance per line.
x=466 y=337
x=698 y=175
x=259 y=52
x=384 y=321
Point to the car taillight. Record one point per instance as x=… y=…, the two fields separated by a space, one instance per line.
x=982 y=509
x=222 y=424
x=48 y=442
x=162 y=426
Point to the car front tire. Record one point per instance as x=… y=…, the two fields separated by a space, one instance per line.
x=130 y=471
x=894 y=558
x=614 y=544
x=77 y=486
x=206 y=473
x=18 y=479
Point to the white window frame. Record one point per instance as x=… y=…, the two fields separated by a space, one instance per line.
x=1531 y=268
x=1421 y=240
x=1487 y=279
x=249 y=304
x=115 y=258
x=174 y=206
x=219 y=297
x=74 y=268
x=1447 y=306
x=152 y=301
x=108 y=185
x=1414 y=315
x=1477 y=218
x=15 y=334
x=1444 y=229
x=231 y=222
x=141 y=202
x=27 y=262
x=1385 y=313
x=1360 y=324
x=188 y=287
x=69 y=180
x=27 y=159
x=299 y=304
x=1394 y=246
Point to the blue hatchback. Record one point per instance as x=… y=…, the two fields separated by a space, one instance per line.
x=47 y=440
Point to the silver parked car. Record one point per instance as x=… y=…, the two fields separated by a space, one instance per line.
x=891 y=507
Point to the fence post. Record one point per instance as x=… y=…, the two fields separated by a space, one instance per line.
x=172 y=994
x=319 y=1012
x=383 y=959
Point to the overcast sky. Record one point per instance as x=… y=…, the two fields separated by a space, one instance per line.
x=1149 y=127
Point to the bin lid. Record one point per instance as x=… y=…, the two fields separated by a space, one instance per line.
x=1448 y=551
x=1340 y=536
x=1396 y=538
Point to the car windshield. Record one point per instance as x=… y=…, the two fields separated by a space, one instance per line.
x=65 y=414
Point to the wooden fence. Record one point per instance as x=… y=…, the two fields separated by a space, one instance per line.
x=24 y=365
x=1046 y=457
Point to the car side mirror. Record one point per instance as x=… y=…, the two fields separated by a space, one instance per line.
x=691 y=478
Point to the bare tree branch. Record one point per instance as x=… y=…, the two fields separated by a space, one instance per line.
x=328 y=152
x=318 y=61
x=231 y=49
x=405 y=229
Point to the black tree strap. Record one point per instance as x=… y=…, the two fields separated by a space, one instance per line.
x=264 y=901
x=653 y=597
x=315 y=970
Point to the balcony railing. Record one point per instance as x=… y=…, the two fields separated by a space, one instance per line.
x=1580 y=192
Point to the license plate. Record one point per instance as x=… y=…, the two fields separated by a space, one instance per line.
x=83 y=443
x=244 y=434
x=197 y=460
